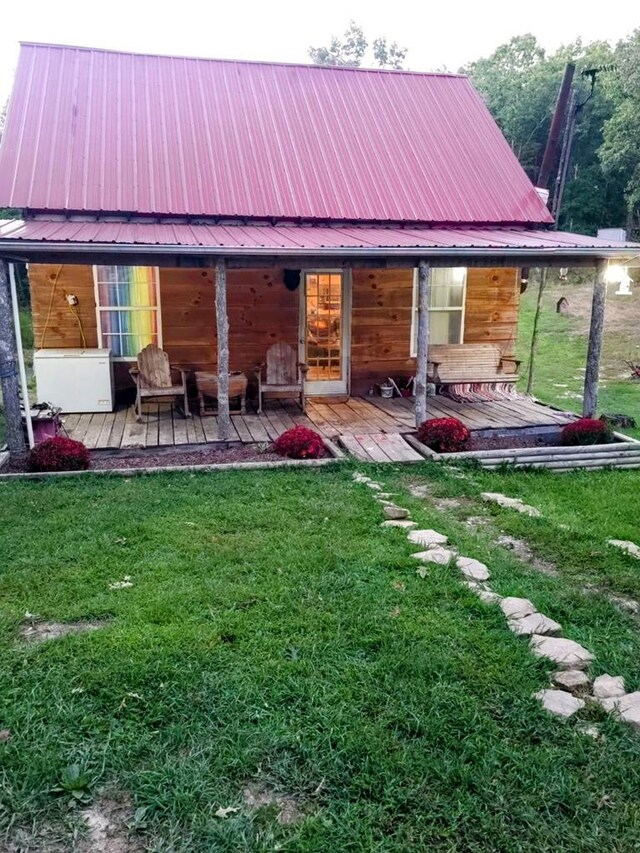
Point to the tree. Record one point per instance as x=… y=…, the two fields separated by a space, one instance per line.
x=351 y=49
x=620 y=150
x=520 y=84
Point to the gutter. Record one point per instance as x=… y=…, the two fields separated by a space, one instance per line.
x=37 y=246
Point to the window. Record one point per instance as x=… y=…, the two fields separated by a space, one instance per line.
x=446 y=314
x=128 y=308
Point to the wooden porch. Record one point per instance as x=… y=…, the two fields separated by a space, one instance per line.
x=369 y=427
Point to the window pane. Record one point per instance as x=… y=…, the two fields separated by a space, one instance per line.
x=324 y=321
x=445 y=327
x=447 y=287
x=126 y=346
x=133 y=287
x=127 y=332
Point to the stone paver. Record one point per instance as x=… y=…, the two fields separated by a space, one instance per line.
x=626 y=708
x=511 y=503
x=534 y=623
x=573 y=680
x=439 y=555
x=473 y=569
x=427 y=538
x=559 y=702
x=404 y=523
x=487 y=596
x=608 y=686
x=625 y=545
x=566 y=654
x=516 y=608
x=395 y=512
x=375 y=486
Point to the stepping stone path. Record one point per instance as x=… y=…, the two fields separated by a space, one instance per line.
x=573 y=680
x=559 y=702
x=473 y=569
x=625 y=708
x=535 y=623
x=511 y=503
x=566 y=654
x=441 y=556
x=516 y=608
x=570 y=682
x=394 y=513
x=625 y=545
x=427 y=538
x=608 y=686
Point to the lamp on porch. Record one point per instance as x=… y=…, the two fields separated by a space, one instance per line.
x=617 y=274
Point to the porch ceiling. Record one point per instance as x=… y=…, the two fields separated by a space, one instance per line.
x=37 y=238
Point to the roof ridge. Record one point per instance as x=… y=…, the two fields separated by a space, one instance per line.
x=153 y=55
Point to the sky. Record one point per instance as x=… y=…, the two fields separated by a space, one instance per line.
x=437 y=35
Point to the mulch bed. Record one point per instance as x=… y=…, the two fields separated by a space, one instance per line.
x=511 y=442
x=152 y=459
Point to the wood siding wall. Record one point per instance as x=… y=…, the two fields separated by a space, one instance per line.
x=262 y=312
x=491 y=309
x=380 y=326
x=381 y=319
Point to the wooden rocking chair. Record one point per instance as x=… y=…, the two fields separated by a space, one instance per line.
x=285 y=374
x=153 y=379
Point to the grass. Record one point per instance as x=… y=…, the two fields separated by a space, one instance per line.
x=274 y=631
x=562 y=349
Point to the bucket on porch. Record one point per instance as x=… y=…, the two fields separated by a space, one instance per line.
x=386 y=389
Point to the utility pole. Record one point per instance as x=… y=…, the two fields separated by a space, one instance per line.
x=9 y=381
x=544 y=177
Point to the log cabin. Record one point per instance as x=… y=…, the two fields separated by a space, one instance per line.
x=360 y=216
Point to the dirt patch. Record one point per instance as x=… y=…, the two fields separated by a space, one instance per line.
x=419 y=490
x=106 y=820
x=40 y=632
x=524 y=553
x=256 y=795
x=476 y=521
x=622 y=602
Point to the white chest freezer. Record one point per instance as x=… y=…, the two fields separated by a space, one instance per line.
x=77 y=380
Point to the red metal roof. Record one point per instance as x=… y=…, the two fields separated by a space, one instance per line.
x=306 y=239
x=94 y=130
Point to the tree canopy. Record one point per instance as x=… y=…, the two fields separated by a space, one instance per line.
x=351 y=48
x=520 y=83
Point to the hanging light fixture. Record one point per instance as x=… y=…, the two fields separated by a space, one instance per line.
x=617 y=274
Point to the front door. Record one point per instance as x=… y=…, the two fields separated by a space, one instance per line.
x=324 y=337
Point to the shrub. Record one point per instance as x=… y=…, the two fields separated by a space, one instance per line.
x=299 y=443
x=444 y=435
x=58 y=454
x=586 y=431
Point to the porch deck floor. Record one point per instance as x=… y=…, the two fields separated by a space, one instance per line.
x=360 y=422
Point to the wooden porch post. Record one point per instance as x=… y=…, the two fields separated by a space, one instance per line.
x=9 y=368
x=424 y=300
x=591 y=377
x=222 y=329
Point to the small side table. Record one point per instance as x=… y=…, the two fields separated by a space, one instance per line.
x=207 y=385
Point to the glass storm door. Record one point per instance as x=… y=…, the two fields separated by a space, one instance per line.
x=324 y=327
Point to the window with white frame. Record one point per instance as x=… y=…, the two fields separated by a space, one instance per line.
x=446 y=309
x=128 y=309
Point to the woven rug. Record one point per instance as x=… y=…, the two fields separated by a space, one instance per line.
x=482 y=392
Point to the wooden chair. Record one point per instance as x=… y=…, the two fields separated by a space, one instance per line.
x=285 y=375
x=153 y=379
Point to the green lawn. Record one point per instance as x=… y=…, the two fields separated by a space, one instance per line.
x=274 y=633
x=562 y=349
